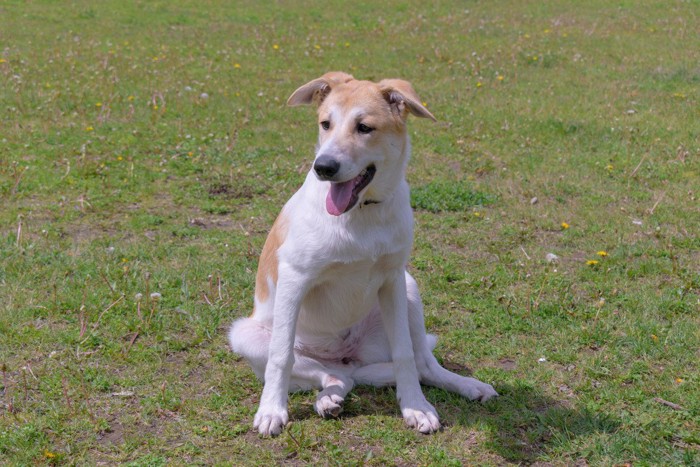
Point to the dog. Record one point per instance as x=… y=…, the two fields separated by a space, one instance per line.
x=334 y=304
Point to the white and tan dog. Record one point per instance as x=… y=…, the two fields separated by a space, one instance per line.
x=334 y=305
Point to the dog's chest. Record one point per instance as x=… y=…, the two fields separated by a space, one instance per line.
x=344 y=294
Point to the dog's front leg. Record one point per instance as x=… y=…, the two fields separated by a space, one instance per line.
x=272 y=415
x=416 y=410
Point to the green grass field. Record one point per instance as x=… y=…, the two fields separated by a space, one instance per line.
x=145 y=150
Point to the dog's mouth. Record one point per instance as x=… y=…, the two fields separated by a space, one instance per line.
x=344 y=195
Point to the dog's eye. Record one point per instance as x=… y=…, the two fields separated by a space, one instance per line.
x=364 y=129
x=325 y=124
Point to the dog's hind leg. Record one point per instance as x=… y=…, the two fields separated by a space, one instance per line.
x=329 y=401
x=250 y=338
x=430 y=371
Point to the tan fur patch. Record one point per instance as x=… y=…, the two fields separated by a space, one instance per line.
x=267 y=267
x=348 y=95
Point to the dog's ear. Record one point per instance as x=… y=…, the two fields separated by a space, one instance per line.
x=402 y=98
x=317 y=90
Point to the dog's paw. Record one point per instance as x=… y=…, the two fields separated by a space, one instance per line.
x=475 y=390
x=424 y=419
x=328 y=405
x=270 y=422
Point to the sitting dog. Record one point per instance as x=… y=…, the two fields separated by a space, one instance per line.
x=334 y=304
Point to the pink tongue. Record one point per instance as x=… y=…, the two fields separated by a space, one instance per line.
x=339 y=197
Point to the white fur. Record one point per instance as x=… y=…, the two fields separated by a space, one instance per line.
x=343 y=310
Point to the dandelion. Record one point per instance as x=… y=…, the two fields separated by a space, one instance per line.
x=478 y=84
x=119 y=158
x=275 y=46
x=547 y=31
x=679 y=95
x=564 y=225
x=500 y=78
x=190 y=154
x=602 y=253
x=2 y=60
x=130 y=98
x=347 y=44
x=49 y=455
x=477 y=214
x=89 y=128
x=679 y=380
x=98 y=104
x=609 y=167
x=125 y=260
x=155 y=106
x=592 y=262
x=317 y=47
x=236 y=65
x=654 y=337
x=425 y=104
x=535 y=58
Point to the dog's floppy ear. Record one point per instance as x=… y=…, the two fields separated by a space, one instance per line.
x=403 y=98
x=318 y=89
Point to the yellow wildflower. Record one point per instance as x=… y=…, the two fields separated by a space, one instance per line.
x=130 y=98
x=98 y=104
x=602 y=253
x=592 y=262
x=564 y=225
x=89 y=128
x=654 y=337
x=679 y=380
x=236 y=65
x=2 y=60
x=275 y=46
x=500 y=78
x=478 y=84
x=119 y=158
x=49 y=455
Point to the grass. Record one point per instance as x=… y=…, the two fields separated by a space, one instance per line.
x=145 y=149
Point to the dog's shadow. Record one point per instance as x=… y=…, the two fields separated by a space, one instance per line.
x=520 y=425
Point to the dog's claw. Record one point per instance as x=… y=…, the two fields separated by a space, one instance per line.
x=425 y=421
x=270 y=423
x=329 y=406
x=475 y=390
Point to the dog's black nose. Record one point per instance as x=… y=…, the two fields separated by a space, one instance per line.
x=326 y=167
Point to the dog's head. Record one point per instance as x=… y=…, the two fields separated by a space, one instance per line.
x=363 y=143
